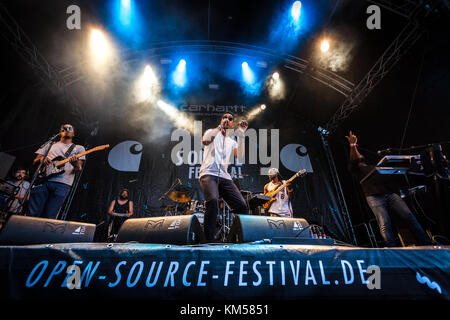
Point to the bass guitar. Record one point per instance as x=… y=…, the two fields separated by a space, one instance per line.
x=274 y=193
x=56 y=167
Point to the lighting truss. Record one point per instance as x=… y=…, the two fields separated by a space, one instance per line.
x=396 y=50
x=25 y=48
x=296 y=64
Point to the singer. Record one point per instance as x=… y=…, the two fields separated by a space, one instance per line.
x=47 y=198
x=383 y=199
x=215 y=181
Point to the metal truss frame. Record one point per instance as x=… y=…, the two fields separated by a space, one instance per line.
x=397 y=49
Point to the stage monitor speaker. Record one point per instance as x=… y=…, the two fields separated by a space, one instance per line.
x=6 y=162
x=248 y=228
x=176 y=230
x=22 y=230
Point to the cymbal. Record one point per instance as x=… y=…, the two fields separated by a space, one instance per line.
x=179 y=196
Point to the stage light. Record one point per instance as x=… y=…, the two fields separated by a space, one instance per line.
x=147 y=86
x=247 y=73
x=274 y=86
x=296 y=10
x=254 y=112
x=179 y=75
x=125 y=12
x=324 y=46
x=99 y=44
x=179 y=118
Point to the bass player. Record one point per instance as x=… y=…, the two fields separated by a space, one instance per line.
x=47 y=198
x=281 y=207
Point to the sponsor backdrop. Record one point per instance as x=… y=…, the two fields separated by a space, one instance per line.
x=141 y=161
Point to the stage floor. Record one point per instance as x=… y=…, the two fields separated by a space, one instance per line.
x=223 y=271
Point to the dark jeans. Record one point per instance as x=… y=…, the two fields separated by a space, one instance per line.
x=214 y=187
x=46 y=199
x=381 y=204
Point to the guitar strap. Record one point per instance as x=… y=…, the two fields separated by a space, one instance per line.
x=69 y=151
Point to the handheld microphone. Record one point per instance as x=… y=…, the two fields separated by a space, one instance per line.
x=225 y=124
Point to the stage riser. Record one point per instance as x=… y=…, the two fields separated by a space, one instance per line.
x=222 y=272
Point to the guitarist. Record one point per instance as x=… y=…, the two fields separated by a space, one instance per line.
x=47 y=198
x=281 y=207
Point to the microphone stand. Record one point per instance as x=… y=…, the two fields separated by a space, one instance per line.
x=170 y=189
x=50 y=143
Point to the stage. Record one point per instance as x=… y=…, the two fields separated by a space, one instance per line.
x=223 y=271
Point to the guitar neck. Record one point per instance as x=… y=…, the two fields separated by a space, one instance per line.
x=283 y=185
x=59 y=163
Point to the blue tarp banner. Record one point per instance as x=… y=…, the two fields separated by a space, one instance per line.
x=223 y=271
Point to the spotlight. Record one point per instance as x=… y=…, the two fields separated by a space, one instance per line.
x=179 y=75
x=125 y=12
x=247 y=73
x=296 y=10
x=263 y=107
x=149 y=76
x=99 y=44
x=179 y=118
x=147 y=86
x=324 y=46
x=275 y=87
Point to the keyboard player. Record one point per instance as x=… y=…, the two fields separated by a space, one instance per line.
x=383 y=198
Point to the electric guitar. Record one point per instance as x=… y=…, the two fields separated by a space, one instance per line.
x=56 y=167
x=273 y=193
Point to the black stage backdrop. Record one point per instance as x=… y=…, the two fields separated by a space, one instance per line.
x=140 y=158
x=144 y=166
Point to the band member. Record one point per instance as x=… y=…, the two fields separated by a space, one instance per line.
x=382 y=197
x=215 y=181
x=15 y=205
x=119 y=210
x=47 y=198
x=281 y=207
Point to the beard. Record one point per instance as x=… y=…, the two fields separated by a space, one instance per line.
x=18 y=178
x=123 y=197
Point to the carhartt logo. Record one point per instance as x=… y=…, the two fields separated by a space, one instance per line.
x=276 y=224
x=297 y=226
x=54 y=227
x=126 y=156
x=80 y=230
x=154 y=225
x=174 y=225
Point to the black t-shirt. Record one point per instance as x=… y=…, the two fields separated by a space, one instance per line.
x=375 y=185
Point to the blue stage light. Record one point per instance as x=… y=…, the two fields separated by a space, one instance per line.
x=296 y=10
x=125 y=12
x=126 y=21
x=179 y=77
x=247 y=73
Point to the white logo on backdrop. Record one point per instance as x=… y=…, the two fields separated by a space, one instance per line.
x=295 y=158
x=126 y=156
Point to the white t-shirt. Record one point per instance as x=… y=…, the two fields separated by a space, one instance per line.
x=59 y=149
x=217 y=156
x=282 y=205
x=14 y=205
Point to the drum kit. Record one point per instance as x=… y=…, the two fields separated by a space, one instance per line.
x=183 y=204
